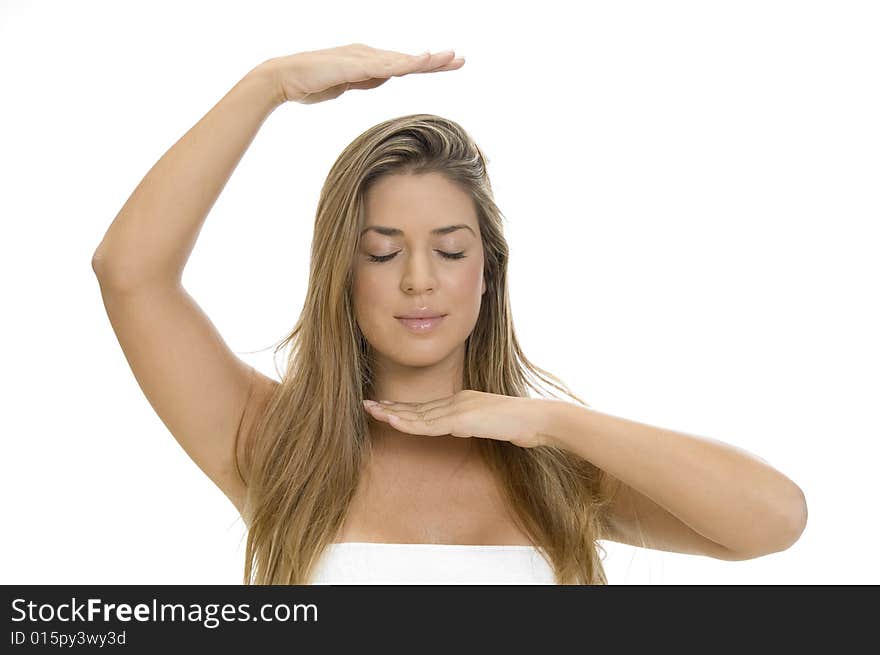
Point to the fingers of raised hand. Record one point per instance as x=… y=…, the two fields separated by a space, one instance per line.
x=437 y=62
x=388 y=63
x=446 y=61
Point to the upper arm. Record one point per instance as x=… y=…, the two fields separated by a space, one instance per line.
x=195 y=383
x=636 y=520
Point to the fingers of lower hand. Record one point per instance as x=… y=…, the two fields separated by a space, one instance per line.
x=420 y=420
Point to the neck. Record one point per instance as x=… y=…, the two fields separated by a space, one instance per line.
x=425 y=450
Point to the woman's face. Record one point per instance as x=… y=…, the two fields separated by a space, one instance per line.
x=423 y=266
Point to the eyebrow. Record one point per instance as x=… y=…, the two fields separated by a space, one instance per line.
x=394 y=232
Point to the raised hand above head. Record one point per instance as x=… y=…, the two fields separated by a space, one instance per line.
x=318 y=75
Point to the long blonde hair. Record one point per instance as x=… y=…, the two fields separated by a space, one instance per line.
x=303 y=464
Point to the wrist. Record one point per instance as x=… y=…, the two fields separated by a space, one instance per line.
x=549 y=411
x=265 y=77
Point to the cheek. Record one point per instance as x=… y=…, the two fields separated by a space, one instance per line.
x=372 y=298
x=366 y=293
x=469 y=281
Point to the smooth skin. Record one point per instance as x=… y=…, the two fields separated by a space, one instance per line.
x=203 y=393
x=683 y=493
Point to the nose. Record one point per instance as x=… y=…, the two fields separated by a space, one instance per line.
x=418 y=276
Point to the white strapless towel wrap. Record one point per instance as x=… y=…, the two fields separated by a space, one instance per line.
x=381 y=563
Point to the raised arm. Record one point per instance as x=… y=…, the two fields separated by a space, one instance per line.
x=208 y=398
x=193 y=381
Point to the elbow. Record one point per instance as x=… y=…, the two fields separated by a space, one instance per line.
x=789 y=524
x=97 y=263
x=792 y=520
x=107 y=276
x=118 y=274
x=102 y=264
x=797 y=517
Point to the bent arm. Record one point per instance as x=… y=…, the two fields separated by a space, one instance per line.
x=698 y=494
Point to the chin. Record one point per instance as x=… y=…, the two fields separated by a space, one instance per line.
x=415 y=352
x=416 y=359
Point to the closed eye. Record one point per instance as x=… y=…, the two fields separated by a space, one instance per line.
x=447 y=255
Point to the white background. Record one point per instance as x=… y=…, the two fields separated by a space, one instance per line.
x=691 y=195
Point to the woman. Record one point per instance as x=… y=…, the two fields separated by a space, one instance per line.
x=407 y=304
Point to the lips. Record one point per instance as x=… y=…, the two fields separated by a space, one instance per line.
x=425 y=313
x=422 y=324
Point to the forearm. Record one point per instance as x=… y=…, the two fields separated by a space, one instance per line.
x=153 y=234
x=724 y=493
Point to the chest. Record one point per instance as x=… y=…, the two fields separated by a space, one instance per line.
x=403 y=504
